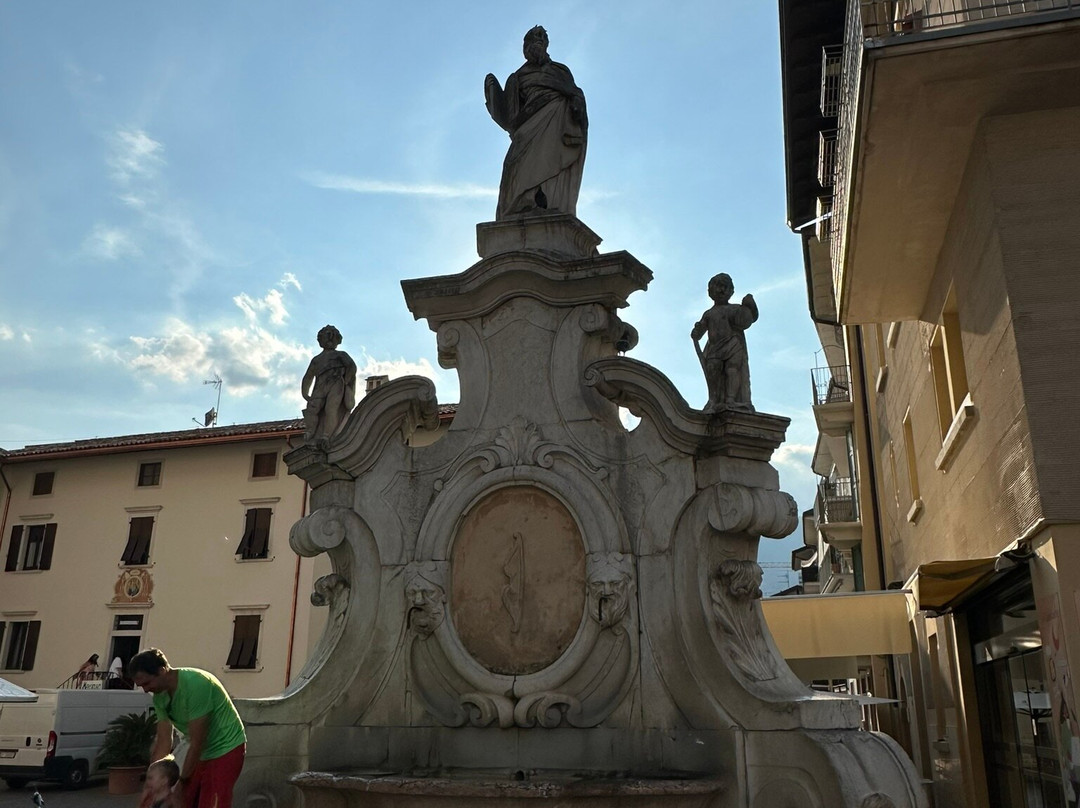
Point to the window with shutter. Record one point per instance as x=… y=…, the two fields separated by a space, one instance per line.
x=244 y=651
x=31 y=547
x=149 y=474
x=264 y=464
x=22 y=642
x=137 y=550
x=13 y=548
x=256 y=540
x=43 y=483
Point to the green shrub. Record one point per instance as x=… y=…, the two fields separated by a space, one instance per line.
x=128 y=740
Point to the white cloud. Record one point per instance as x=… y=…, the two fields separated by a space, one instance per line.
x=6 y=332
x=134 y=154
x=359 y=185
x=273 y=303
x=367 y=365
x=110 y=243
x=288 y=279
x=795 y=456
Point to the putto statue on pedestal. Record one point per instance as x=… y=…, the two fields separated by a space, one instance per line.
x=724 y=358
x=333 y=395
x=544 y=112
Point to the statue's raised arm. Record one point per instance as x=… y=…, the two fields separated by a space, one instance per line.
x=544 y=112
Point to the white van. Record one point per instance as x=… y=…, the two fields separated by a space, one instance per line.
x=58 y=736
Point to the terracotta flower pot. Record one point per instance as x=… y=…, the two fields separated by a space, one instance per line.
x=125 y=779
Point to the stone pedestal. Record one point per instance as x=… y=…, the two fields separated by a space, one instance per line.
x=542 y=603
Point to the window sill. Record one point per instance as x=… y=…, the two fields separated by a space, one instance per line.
x=915 y=511
x=227 y=669
x=124 y=566
x=27 y=572
x=957 y=434
x=240 y=560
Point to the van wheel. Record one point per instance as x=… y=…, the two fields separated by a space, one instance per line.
x=15 y=783
x=77 y=774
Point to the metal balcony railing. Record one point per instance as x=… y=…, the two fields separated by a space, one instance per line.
x=832 y=385
x=886 y=19
x=881 y=22
x=831 y=63
x=837 y=501
x=826 y=168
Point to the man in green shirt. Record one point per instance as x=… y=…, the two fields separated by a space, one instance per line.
x=194 y=702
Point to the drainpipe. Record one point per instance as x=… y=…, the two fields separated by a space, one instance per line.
x=295 y=596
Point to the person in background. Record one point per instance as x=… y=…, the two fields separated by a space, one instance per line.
x=86 y=670
x=196 y=703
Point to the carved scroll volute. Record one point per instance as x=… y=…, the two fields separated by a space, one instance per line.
x=756 y=511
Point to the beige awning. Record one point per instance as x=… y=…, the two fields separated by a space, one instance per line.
x=941 y=585
x=848 y=624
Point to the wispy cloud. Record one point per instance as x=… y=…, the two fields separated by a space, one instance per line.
x=288 y=279
x=6 y=332
x=110 y=243
x=361 y=185
x=133 y=153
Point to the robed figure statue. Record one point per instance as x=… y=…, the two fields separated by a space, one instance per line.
x=544 y=112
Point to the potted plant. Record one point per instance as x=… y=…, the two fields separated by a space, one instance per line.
x=126 y=750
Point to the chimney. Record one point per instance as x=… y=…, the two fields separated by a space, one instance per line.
x=375 y=381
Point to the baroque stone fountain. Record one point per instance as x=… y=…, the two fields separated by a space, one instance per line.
x=541 y=603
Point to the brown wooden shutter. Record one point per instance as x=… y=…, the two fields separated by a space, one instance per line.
x=1 y=633
x=13 y=548
x=244 y=548
x=245 y=644
x=33 y=630
x=262 y=533
x=137 y=549
x=47 y=547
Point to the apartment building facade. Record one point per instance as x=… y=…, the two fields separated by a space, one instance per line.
x=933 y=167
x=177 y=540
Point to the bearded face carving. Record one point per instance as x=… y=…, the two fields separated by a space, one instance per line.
x=610 y=582
x=425 y=597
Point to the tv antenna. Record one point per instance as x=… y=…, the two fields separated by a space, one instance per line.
x=210 y=418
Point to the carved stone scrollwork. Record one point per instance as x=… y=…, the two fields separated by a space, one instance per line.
x=546 y=710
x=486 y=709
x=758 y=511
x=425 y=596
x=733 y=591
x=876 y=800
x=319 y=531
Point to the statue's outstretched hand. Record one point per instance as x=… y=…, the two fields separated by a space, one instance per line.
x=748 y=300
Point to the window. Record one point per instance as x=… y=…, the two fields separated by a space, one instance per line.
x=31 y=547
x=264 y=464
x=137 y=550
x=244 y=652
x=19 y=641
x=947 y=366
x=43 y=483
x=256 y=540
x=912 y=469
x=149 y=474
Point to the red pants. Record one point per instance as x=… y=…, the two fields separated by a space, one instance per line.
x=211 y=784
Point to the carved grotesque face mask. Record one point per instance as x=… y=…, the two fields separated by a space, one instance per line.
x=609 y=591
x=426 y=607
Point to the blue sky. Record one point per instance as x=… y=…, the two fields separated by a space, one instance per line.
x=198 y=187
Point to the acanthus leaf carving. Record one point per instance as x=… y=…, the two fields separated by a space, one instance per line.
x=734 y=590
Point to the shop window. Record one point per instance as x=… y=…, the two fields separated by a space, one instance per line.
x=31 y=547
x=256 y=541
x=244 y=652
x=149 y=474
x=19 y=642
x=43 y=483
x=264 y=464
x=137 y=550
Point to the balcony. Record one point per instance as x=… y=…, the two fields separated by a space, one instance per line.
x=833 y=410
x=918 y=80
x=836 y=510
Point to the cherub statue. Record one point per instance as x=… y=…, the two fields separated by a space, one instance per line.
x=334 y=394
x=724 y=359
